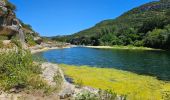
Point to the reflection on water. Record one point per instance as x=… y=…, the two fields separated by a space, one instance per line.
x=155 y=63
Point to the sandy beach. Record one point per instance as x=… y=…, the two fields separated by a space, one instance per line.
x=123 y=47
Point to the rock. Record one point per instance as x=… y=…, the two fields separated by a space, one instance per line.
x=7 y=31
x=6 y=42
x=3 y=10
x=90 y=89
x=38 y=40
x=14 y=90
x=67 y=92
x=2 y=3
x=49 y=71
x=6 y=96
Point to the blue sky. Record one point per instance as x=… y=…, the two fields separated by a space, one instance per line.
x=63 y=17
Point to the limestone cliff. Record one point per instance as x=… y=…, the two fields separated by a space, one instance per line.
x=9 y=24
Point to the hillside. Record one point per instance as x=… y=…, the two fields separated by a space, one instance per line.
x=147 y=25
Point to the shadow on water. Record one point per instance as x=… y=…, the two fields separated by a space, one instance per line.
x=153 y=63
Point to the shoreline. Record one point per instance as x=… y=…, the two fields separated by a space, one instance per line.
x=33 y=51
x=42 y=49
x=123 y=48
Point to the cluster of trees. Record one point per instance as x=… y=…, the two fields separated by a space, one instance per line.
x=147 y=25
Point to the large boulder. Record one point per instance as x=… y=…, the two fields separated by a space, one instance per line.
x=38 y=40
x=8 y=31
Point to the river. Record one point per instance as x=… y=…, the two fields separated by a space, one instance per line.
x=153 y=63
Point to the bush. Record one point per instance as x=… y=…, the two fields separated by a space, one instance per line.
x=1 y=44
x=138 y=43
x=3 y=38
x=16 y=42
x=17 y=70
x=30 y=39
x=101 y=95
x=107 y=95
x=86 y=95
x=10 y=5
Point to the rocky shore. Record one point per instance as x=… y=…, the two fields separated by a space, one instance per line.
x=46 y=47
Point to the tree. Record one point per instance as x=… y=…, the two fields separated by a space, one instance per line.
x=157 y=38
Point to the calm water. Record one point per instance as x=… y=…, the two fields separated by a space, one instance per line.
x=154 y=63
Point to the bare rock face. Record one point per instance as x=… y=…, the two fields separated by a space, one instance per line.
x=9 y=24
x=7 y=31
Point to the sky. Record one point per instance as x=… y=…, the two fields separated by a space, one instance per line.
x=64 y=17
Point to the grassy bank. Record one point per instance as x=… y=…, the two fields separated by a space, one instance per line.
x=19 y=72
x=122 y=47
x=136 y=87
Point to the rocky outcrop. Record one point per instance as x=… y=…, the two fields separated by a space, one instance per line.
x=9 y=24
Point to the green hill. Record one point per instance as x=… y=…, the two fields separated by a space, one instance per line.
x=147 y=25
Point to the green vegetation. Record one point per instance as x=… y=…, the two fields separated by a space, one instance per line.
x=86 y=95
x=3 y=38
x=101 y=95
x=136 y=27
x=1 y=44
x=30 y=39
x=134 y=86
x=9 y=5
x=17 y=70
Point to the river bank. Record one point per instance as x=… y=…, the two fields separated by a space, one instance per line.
x=123 y=47
x=40 y=48
x=132 y=85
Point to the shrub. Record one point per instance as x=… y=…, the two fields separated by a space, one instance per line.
x=86 y=95
x=30 y=39
x=138 y=43
x=107 y=95
x=1 y=44
x=3 y=38
x=10 y=5
x=16 y=42
x=17 y=70
x=101 y=95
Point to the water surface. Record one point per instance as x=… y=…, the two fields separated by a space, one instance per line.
x=154 y=63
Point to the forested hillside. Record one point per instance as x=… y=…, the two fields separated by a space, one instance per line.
x=147 y=25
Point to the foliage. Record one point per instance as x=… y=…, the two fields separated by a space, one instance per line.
x=3 y=37
x=158 y=38
x=101 y=95
x=86 y=95
x=17 y=70
x=16 y=42
x=30 y=39
x=9 y=5
x=1 y=44
x=107 y=95
x=123 y=83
